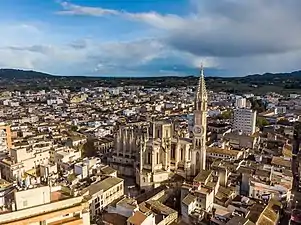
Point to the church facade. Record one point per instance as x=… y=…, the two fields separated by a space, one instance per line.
x=153 y=151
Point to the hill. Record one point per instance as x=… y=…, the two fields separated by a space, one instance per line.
x=22 y=74
x=284 y=83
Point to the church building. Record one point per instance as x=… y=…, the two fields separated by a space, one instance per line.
x=153 y=151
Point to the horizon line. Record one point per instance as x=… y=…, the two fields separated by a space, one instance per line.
x=149 y=76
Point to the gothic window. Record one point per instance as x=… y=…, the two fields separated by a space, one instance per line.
x=166 y=133
x=157 y=158
x=173 y=152
x=182 y=154
x=158 y=133
x=197 y=162
x=149 y=157
x=189 y=154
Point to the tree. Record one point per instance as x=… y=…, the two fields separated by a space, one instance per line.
x=74 y=128
x=225 y=115
x=89 y=149
x=257 y=105
x=262 y=122
x=71 y=177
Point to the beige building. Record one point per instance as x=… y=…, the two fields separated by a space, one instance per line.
x=24 y=158
x=102 y=193
x=199 y=197
x=64 y=155
x=239 y=141
x=220 y=153
x=125 y=206
x=153 y=212
x=47 y=206
x=5 y=137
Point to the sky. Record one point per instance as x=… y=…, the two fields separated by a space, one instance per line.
x=151 y=37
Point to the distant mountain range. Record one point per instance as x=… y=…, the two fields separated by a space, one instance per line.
x=11 y=79
x=30 y=74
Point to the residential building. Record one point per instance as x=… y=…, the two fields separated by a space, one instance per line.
x=244 y=121
x=5 y=137
x=241 y=103
x=102 y=193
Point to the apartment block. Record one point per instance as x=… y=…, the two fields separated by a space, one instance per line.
x=244 y=121
x=241 y=103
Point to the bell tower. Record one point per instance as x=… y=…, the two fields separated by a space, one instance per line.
x=200 y=126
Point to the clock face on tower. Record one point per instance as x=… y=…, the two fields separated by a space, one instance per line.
x=197 y=130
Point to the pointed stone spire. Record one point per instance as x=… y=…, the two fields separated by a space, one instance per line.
x=201 y=93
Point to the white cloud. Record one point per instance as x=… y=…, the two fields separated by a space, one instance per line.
x=19 y=34
x=84 y=59
x=152 y=18
x=226 y=31
x=71 y=9
x=242 y=36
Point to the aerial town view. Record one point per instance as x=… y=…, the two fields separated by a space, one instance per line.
x=140 y=113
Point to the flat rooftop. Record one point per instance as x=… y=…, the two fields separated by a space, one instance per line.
x=202 y=176
x=104 y=185
x=4 y=184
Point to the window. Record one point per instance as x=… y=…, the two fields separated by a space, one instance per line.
x=157 y=158
x=173 y=152
x=182 y=154
x=149 y=156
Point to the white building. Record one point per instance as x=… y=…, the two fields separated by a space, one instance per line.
x=244 y=121
x=241 y=103
x=103 y=193
x=280 y=110
x=65 y=155
x=126 y=207
x=3 y=142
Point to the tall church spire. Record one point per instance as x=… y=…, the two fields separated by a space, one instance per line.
x=201 y=93
x=200 y=126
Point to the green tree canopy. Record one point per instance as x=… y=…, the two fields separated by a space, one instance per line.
x=261 y=122
x=257 y=105
x=74 y=128
x=225 y=115
x=89 y=149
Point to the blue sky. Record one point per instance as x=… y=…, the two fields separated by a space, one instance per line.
x=150 y=37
